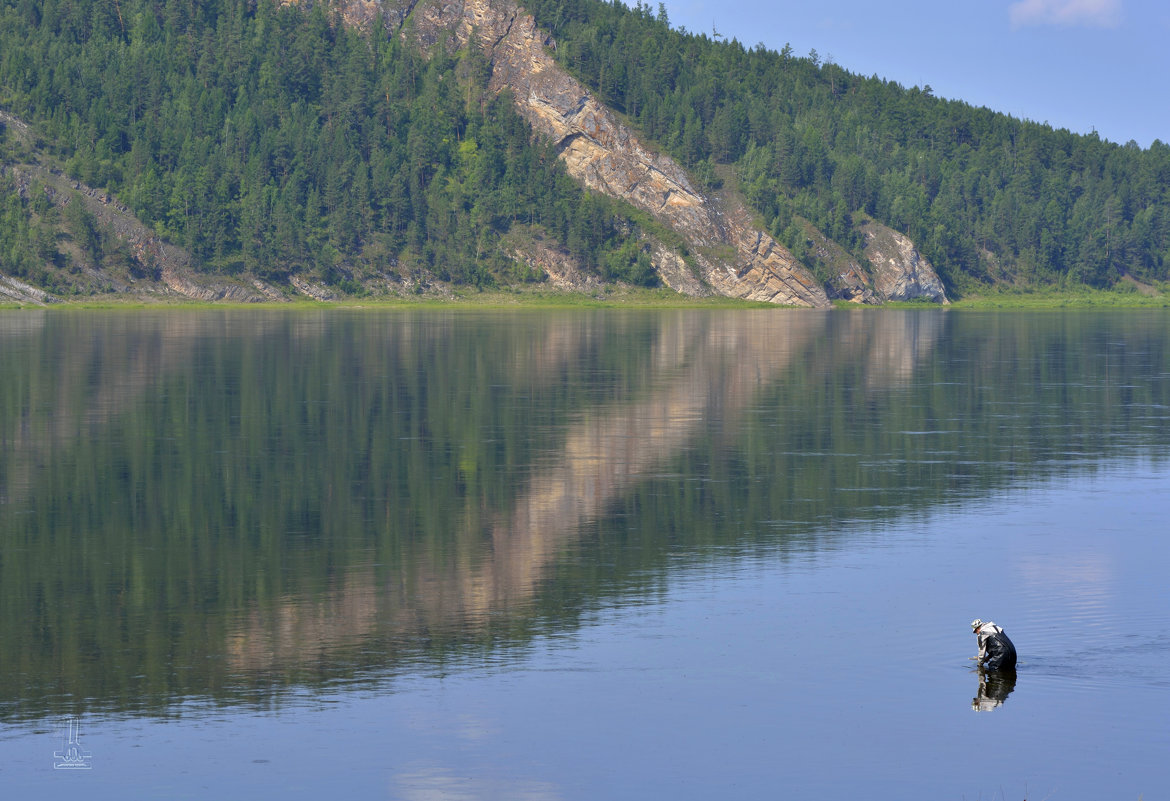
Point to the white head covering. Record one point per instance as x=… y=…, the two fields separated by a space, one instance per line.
x=976 y=624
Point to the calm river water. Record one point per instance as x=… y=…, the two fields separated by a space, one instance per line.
x=582 y=555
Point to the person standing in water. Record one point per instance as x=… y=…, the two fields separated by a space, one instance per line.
x=996 y=651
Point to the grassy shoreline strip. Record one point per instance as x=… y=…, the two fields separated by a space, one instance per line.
x=1026 y=299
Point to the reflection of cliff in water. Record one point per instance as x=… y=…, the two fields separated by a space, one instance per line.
x=697 y=377
x=349 y=494
x=700 y=378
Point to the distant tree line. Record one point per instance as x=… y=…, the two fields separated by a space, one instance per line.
x=277 y=140
x=985 y=195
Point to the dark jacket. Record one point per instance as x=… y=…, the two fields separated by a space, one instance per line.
x=996 y=651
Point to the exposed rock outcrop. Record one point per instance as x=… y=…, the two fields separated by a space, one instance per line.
x=725 y=251
x=17 y=291
x=543 y=257
x=733 y=256
x=268 y=291
x=161 y=267
x=312 y=290
x=846 y=278
x=675 y=273
x=900 y=272
x=193 y=286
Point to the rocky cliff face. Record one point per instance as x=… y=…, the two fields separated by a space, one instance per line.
x=896 y=271
x=900 y=272
x=845 y=278
x=731 y=255
x=725 y=253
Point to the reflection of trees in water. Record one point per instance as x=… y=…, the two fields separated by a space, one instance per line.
x=701 y=377
x=698 y=377
x=92 y=370
x=354 y=492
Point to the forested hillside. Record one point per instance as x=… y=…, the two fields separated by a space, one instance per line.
x=275 y=141
x=985 y=196
x=278 y=141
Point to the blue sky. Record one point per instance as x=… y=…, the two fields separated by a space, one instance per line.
x=1085 y=65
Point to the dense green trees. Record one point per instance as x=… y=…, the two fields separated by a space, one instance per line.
x=984 y=195
x=277 y=140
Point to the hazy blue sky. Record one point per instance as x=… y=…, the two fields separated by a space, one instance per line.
x=1084 y=65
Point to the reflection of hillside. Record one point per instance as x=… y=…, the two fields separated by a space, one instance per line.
x=16 y=325
x=699 y=376
x=85 y=380
x=693 y=370
x=110 y=371
x=341 y=491
x=90 y=380
x=894 y=344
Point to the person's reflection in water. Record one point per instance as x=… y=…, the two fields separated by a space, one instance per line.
x=994 y=688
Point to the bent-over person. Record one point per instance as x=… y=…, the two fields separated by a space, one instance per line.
x=996 y=651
